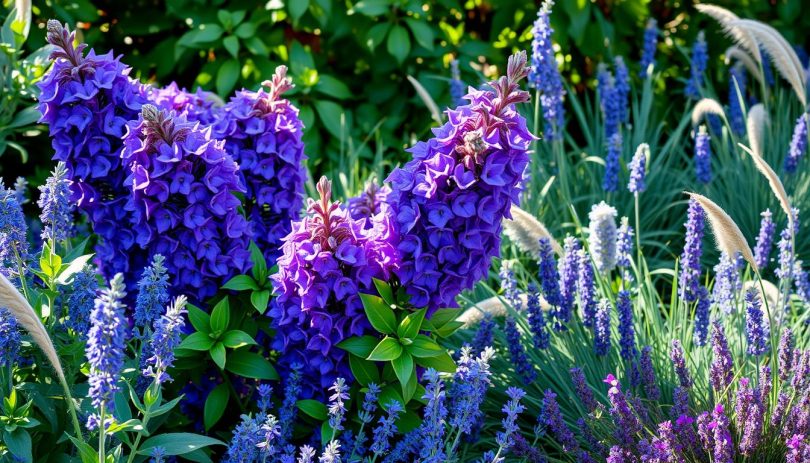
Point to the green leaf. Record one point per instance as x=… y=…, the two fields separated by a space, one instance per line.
x=215 y=405
x=360 y=346
x=198 y=341
x=220 y=316
x=364 y=371
x=297 y=9
x=373 y=7
x=24 y=118
x=177 y=443
x=300 y=58
x=231 y=43
x=448 y=329
x=443 y=316
x=330 y=114
x=256 y=46
x=260 y=299
x=376 y=35
x=227 y=76
x=424 y=347
x=235 y=339
x=409 y=388
x=379 y=313
x=246 y=30
x=259 y=264
x=241 y=283
x=441 y=362
x=398 y=43
x=218 y=354
x=388 y=349
x=403 y=368
x=422 y=32
x=385 y=291
x=313 y=408
x=200 y=320
x=18 y=442
x=251 y=365
x=329 y=86
x=411 y=325
x=75 y=266
x=86 y=453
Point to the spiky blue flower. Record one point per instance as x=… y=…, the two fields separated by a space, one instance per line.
x=523 y=367
x=727 y=283
x=622 y=82
x=435 y=414
x=608 y=100
x=536 y=318
x=584 y=392
x=550 y=283
x=679 y=363
x=544 y=74
x=512 y=408
x=165 y=339
x=485 y=334
x=624 y=244
x=647 y=372
x=337 y=404
x=798 y=144
x=701 y=333
x=703 y=156
x=14 y=247
x=81 y=300
x=762 y=250
x=689 y=278
x=386 y=429
x=244 y=445
x=105 y=351
x=700 y=57
x=755 y=327
x=650 y=44
x=54 y=201
x=569 y=273
x=153 y=295
x=610 y=182
x=289 y=409
x=627 y=337
x=736 y=99
x=638 y=169
x=470 y=383
x=9 y=338
x=586 y=288
x=601 y=328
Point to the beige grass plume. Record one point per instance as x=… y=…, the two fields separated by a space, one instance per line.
x=781 y=53
x=727 y=234
x=726 y=18
x=525 y=231
x=706 y=106
x=734 y=52
x=755 y=126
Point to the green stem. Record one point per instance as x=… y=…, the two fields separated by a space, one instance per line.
x=77 y=429
x=101 y=436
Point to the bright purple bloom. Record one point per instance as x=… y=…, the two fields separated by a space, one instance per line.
x=105 y=353
x=544 y=75
x=450 y=200
x=750 y=418
x=786 y=354
x=550 y=283
x=165 y=339
x=602 y=237
x=679 y=363
x=701 y=332
x=755 y=327
x=536 y=318
x=14 y=247
x=86 y=102
x=584 y=391
x=183 y=201
x=700 y=57
x=555 y=423
x=723 y=445
x=370 y=202
x=736 y=99
x=798 y=144
x=54 y=200
x=610 y=182
x=624 y=417
x=81 y=300
x=200 y=106
x=601 y=328
x=627 y=339
x=703 y=156
x=762 y=251
x=722 y=369
x=262 y=132
x=586 y=288
x=647 y=372
x=689 y=279
x=523 y=367
x=798 y=449
x=680 y=402
x=650 y=44
x=328 y=259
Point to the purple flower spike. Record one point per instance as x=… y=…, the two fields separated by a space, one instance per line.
x=762 y=251
x=689 y=279
x=722 y=368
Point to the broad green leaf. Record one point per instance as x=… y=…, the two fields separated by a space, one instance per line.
x=218 y=354
x=18 y=442
x=220 y=316
x=313 y=408
x=241 y=283
x=376 y=35
x=227 y=76
x=424 y=347
x=388 y=349
x=441 y=362
x=330 y=114
x=409 y=387
x=246 y=30
x=411 y=325
x=86 y=452
x=235 y=339
x=177 y=443
x=379 y=314
x=74 y=267
x=231 y=43
x=398 y=43
x=422 y=32
x=443 y=316
x=260 y=299
x=215 y=405
x=373 y=7
x=360 y=346
x=300 y=58
x=259 y=264
x=331 y=87
x=297 y=9
x=448 y=329
x=251 y=365
x=404 y=368
x=200 y=320
x=198 y=341
x=364 y=371
x=385 y=291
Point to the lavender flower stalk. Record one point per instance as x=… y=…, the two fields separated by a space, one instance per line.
x=679 y=363
x=722 y=367
x=523 y=367
x=601 y=328
x=703 y=156
x=550 y=283
x=701 y=333
x=648 y=50
x=536 y=318
x=14 y=247
x=700 y=58
x=586 y=288
x=798 y=144
x=153 y=295
x=165 y=339
x=755 y=328
x=56 y=206
x=727 y=283
x=10 y=339
x=544 y=74
x=638 y=169
x=762 y=250
x=609 y=101
x=610 y=182
x=81 y=300
x=689 y=278
x=624 y=244
x=627 y=340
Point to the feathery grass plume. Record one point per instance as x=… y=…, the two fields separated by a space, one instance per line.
x=735 y=52
x=427 y=99
x=725 y=18
x=526 y=231
x=705 y=107
x=781 y=53
x=755 y=126
x=727 y=234
x=494 y=306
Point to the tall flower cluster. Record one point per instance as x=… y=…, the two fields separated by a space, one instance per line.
x=537 y=319
x=165 y=339
x=470 y=384
x=544 y=74
x=622 y=82
x=327 y=260
x=80 y=302
x=736 y=99
x=199 y=106
x=601 y=328
x=650 y=44
x=602 y=237
x=86 y=100
x=153 y=295
x=183 y=201
x=702 y=307
x=370 y=202
x=755 y=327
x=550 y=283
x=609 y=101
x=722 y=368
x=569 y=273
x=523 y=366
x=262 y=133
x=798 y=144
x=14 y=247
x=610 y=182
x=105 y=353
x=703 y=156
x=762 y=250
x=586 y=288
x=450 y=200
x=624 y=244
x=638 y=169
x=700 y=57
x=689 y=279
x=627 y=337
x=10 y=338
x=54 y=201
x=727 y=283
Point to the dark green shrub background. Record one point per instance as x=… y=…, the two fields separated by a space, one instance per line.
x=350 y=59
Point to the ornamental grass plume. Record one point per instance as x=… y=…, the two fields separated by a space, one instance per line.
x=727 y=234
x=736 y=53
x=86 y=100
x=262 y=133
x=602 y=237
x=327 y=260
x=450 y=200
x=706 y=107
x=525 y=232
x=544 y=74
x=183 y=201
